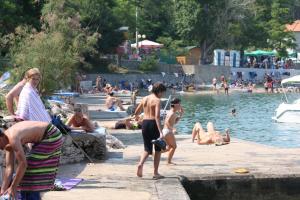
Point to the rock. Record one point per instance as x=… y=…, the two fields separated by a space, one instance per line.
x=113 y=142
x=94 y=146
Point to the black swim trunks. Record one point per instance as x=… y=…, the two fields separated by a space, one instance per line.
x=150 y=132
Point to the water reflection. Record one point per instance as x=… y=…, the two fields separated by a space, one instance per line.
x=253 y=120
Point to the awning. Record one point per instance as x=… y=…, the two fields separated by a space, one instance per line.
x=147 y=44
x=260 y=53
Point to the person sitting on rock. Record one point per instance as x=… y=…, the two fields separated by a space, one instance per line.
x=211 y=136
x=35 y=172
x=78 y=121
x=112 y=103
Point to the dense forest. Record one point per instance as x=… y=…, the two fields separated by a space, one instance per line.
x=59 y=36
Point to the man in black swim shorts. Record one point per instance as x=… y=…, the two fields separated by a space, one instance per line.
x=151 y=128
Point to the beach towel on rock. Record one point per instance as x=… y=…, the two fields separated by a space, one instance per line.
x=42 y=161
x=30 y=106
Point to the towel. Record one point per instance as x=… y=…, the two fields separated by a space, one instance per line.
x=30 y=106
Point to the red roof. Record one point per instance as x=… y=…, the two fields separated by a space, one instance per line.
x=295 y=27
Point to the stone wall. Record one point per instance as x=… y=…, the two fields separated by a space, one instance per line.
x=203 y=74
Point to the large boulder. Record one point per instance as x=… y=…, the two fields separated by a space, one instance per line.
x=95 y=147
x=70 y=153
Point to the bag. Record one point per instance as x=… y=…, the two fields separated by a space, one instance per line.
x=160 y=143
x=56 y=121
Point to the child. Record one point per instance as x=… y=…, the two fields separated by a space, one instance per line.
x=171 y=119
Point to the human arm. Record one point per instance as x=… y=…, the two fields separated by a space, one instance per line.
x=180 y=115
x=157 y=117
x=139 y=109
x=21 y=168
x=88 y=126
x=9 y=97
x=9 y=100
x=70 y=121
x=9 y=168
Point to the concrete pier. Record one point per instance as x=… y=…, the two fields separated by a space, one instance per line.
x=116 y=177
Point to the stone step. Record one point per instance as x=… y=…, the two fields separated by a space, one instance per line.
x=94 y=115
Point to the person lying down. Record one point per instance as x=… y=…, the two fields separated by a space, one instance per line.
x=211 y=136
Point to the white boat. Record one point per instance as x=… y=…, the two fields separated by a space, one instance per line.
x=288 y=112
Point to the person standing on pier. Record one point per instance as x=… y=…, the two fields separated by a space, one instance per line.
x=151 y=127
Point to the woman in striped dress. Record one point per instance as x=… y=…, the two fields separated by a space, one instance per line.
x=36 y=171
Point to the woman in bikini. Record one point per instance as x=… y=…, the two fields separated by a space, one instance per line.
x=211 y=136
x=171 y=119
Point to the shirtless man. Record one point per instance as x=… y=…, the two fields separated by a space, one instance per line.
x=112 y=103
x=151 y=128
x=171 y=119
x=80 y=122
x=211 y=136
x=42 y=160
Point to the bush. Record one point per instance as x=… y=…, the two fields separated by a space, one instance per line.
x=148 y=64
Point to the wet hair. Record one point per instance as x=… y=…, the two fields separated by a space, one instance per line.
x=111 y=94
x=158 y=87
x=233 y=110
x=175 y=101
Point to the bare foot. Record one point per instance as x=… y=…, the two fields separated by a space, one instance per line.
x=139 y=172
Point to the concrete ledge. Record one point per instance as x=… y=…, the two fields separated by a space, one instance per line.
x=170 y=189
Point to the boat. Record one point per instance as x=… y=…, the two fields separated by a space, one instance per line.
x=288 y=112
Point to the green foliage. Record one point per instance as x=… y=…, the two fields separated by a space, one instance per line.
x=58 y=50
x=148 y=64
x=3 y=108
x=16 y=13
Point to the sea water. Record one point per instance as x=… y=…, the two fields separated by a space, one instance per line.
x=253 y=120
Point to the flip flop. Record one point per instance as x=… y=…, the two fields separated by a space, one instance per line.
x=241 y=171
x=158 y=176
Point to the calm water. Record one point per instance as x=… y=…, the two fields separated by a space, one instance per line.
x=253 y=121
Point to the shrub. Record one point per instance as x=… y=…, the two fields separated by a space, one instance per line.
x=148 y=64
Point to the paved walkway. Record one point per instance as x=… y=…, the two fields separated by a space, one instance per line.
x=115 y=178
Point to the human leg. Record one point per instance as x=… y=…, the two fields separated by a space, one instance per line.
x=171 y=141
x=147 y=133
x=227 y=136
x=119 y=103
x=196 y=130
x=210 y=128
x=143 y=158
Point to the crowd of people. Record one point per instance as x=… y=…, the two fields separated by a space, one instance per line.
x=33 y=126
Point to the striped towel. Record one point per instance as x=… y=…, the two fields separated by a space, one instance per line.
x=42 y=162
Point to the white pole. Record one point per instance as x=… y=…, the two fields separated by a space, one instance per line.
x=136 y=30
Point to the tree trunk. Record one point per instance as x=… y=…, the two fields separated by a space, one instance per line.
x=203 y=53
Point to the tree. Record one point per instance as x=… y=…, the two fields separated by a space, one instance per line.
x=16 y=13
x=234 y=24
x=58 y=49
